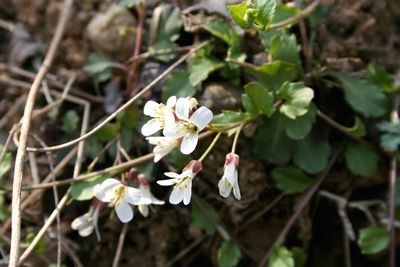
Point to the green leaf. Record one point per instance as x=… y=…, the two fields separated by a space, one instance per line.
x=248 y=105
x=299 y=257
x=129 y=117
x=40 y=247
x=390 y=139
x=228 y=118
x=296 y=99
x=84 y=190
x=283 y=12
x=363 y=96
x=108 y=132
x=271 y=142
x=281 y=257
x=178 y=85
x=300 y=127
x=128 y=3
x=273 y=75
x=311 y=154
x=229 y=254
x=284 y=48
x=291 y=180
x=200 y=220
x=177 y=159
x=220 y=30
x=5 y=163
x=70 y=122
x=265 y=12
x=238 y=12
x=201 y=68
x=261 y=99
x=378 y=75
x=373 y=240
x=361 y=160
x=99 y=67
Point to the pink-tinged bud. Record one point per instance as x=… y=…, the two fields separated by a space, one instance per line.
x=133 y=174
x=142 y=180
x=194 y=165
x=232 y=157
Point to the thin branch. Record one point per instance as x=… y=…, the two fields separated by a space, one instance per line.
x=26 y=122
x=307 y=197
x=120 y=245
x=124 y=106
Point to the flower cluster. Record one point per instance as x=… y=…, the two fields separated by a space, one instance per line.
x=180 y=120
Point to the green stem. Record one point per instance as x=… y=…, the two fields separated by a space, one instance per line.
x=236 y=138
x=210 y=147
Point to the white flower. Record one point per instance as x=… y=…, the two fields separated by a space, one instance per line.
x=147 y=199
x=189 y=125
x=157 y=111
x=163 y=145
x=119 y=196
x=182 y=183
x=86 y=223
x=229 y=180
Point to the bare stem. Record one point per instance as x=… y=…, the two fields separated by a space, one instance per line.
x=26 y=122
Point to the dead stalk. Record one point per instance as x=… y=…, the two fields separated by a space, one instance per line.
x=26 y=122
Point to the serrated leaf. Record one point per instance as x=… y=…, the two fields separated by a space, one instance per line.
x=228 y=118
x=99 y=67
x=378 y=75
x=128 y=3
x=83 y=190
x=200 y=220
x=312 y=153
x=361 y=160
x=284 y=47
x=265 y=12
x=261 y=99
x=390 y=138
x=238 y=12
x=273 y=75
x=291 y=180
x=281 y=257
x=373 y=240
x=296 y=99
x=363 y=96
x=5 y=163
x=70 y=122
x=201 y=68
x=229 y=254
x=178 y=85
x=300 y=127
x=271 y=142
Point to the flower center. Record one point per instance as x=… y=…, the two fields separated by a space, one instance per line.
x=119 y=194
x=183 y=182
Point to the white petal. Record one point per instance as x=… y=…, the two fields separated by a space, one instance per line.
x=173 y=174
x=182 y=108
x=151 y=127
x=171 y=101
x=150 y=108
x=86 y=231
x=176 y=196
x=224 y=187
x=144 y=210
x=132 y=195
x=145 y=193
x=124 y=211
x=167 y=182
x=187 y=193
x=105 y=191
x=202 y=117
x=189 y=142
x=236 y=189
x=174 y=130
x=80 y=221
x=156 y=201
x=229 y=172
